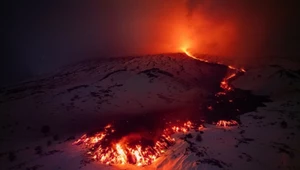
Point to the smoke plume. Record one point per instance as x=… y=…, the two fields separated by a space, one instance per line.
x=44 y=35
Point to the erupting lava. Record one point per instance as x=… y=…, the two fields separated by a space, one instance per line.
x=136 y=150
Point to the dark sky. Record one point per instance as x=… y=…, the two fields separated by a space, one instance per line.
x=40 y=36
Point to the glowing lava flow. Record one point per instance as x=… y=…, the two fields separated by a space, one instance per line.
x=127 y=151
x=225 y=123
x=104 y=148
x=192 y=56
x=225 y=83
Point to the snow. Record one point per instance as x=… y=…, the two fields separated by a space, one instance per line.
x=84 y=96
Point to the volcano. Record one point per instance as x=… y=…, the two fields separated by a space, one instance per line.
x=109 y=88
x=153 y=112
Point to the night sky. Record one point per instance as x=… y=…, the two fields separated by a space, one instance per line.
x=41 y=36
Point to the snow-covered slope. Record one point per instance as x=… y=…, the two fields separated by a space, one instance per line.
x=90 y=94
x=41 y=119
x=273 y=80
x=266 y=139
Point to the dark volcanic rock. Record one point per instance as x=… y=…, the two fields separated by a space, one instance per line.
x=283 y=124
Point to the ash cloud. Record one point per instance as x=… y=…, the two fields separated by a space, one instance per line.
x=44 y=35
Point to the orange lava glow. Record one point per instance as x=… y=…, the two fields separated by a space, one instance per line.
x=123 y=151
x=128 y=150
x=226 y=123
x=225 y=83
x=192 y=56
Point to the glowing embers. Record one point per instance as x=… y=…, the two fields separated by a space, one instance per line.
x=224 y=85
x=128 y=150
x=226 y=123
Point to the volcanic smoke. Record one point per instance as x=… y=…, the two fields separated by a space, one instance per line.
x=215 y=35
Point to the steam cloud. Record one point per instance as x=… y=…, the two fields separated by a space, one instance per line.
x=50 y=34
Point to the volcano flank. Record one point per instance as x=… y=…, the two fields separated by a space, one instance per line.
x=127 y=108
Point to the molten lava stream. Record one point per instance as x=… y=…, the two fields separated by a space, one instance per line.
x=225 y=83
x=126 y=151
x=101 y=147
